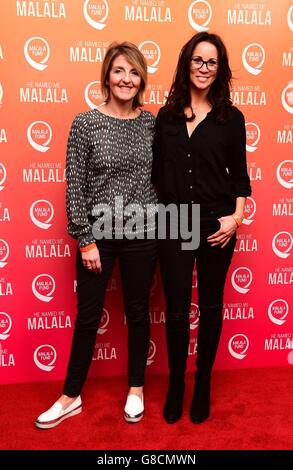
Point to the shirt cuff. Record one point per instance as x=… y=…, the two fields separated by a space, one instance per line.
x=86 y=240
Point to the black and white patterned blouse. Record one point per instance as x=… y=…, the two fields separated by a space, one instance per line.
x=109 y=160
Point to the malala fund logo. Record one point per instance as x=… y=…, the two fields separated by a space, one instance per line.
x=39 y=135
x=200 y=15
x=152 y=54
x=45 y=357
x=253 y=58
x=37 y=52
x=96 y=12
x=93 y=94
x=41 y=213
x=287 y=98
x=238 y=346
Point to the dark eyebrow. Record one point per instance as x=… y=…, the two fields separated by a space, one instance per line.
x=122 y=68
x=200 y=57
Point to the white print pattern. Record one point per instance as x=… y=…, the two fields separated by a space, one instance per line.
x=107 y=157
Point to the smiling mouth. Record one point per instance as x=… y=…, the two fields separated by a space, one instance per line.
x=125 y=89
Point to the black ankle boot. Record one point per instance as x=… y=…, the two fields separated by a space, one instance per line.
x=172 y=410
x=200 y=405
x=177 y=335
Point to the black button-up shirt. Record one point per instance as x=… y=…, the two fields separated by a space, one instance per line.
x=209 y=166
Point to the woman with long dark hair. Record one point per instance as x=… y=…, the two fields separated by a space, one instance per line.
x=199 y=158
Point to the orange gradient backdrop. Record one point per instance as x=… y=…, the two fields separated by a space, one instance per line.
x=50 y=59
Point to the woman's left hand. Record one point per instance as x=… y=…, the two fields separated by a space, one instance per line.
x=224 y=234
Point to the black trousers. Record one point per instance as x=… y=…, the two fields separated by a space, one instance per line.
x=137 y=259
x=177 y=265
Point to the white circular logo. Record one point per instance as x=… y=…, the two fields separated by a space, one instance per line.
x=45 y=357
x=194 y=316
x=278 y=311
x=252 y=136
x=93 y=95
x=151 y=353
x=36 y=52
x=96 y=13
x=285 y=174
x=1 y=93
x=43 y=286
x=152 y=54
x=2 y=175
x=282 y=244
x=241 y=279
x=199 y=15
x=289 y=18
x=39 y=135
x=253 y=57
x=104 y=322
x=238 y=346
x=5 y=325
x=4 y=252
x=287 y=98
x=249 y=210
x=41 y=213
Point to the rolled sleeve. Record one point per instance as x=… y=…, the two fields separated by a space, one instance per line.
x=76 y=179
x=237 y=165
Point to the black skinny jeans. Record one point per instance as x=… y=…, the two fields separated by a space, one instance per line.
x=212 y=263
x=137 y=260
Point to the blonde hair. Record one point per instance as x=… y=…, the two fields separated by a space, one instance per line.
x=133 y=55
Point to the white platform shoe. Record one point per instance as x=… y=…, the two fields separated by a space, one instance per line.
x=134 y=408
x=56 y=414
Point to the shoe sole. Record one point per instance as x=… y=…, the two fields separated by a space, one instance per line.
x=133 y=419
x=52 y=424
x=199 y=420
x=172 y=421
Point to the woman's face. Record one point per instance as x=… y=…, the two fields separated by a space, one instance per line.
x=203 y=65
x=124 y=80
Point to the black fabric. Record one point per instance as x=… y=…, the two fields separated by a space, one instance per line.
x=212 y=264
x=177 y=336
x=176 y=268
x=137 y=260
x=177 y=333
x=208 y=338
x=209 y=166
x=200 y=404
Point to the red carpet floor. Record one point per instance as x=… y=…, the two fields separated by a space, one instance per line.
x=251 y=409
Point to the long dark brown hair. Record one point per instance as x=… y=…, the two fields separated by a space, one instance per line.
x=219 y=93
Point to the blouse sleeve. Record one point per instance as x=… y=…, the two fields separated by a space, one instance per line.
x=237 y=165
x=76 y=178
x=156 y=151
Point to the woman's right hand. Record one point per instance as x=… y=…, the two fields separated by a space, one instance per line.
x=224 y=234
x=91 y=260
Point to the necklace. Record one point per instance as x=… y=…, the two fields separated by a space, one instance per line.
x=131 y=115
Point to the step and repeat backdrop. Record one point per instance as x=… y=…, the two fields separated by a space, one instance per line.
x=50 y=60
